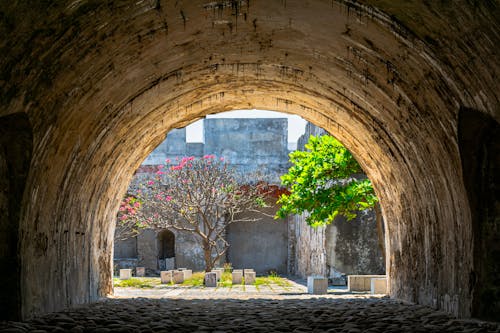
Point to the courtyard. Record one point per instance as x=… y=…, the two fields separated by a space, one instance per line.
x=282 y=307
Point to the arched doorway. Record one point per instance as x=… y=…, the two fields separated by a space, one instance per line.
x=166 y=250
x=114 y=79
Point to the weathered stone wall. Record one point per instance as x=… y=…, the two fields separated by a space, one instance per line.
x=102 y=82
x=352 y=247
x=309 y=243
x=252 y=145
x=261 y=245
x=343 y=247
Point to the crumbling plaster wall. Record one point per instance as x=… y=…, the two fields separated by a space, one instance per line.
x=102 y=82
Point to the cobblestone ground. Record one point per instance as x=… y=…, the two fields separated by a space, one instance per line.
x=247 y=309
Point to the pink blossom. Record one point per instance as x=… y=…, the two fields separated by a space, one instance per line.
x=139 y=191
x=151 y=182
x=208 y=156
x=191 y=158
x=168 y=198
x=160 y=166
x=167 y=161
x=123 y=217
x=122 y=209
x=159 y=172
x=222 y=158
x=137 y=204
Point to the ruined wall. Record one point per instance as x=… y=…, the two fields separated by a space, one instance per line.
x=352 y=246
x=340 y=248
x=103 y=82
x=261 y=245
x=251 y=145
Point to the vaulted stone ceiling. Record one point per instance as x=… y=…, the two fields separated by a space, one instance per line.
x=102 y=82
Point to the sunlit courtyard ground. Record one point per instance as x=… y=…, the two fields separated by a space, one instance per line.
x=272 y=304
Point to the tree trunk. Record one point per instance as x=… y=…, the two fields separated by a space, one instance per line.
x=380 y=229
x=207 y=252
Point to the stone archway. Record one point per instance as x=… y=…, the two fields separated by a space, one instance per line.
x=102 y=83
x=166 y=249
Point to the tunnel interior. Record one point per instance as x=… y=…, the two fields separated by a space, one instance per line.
x=102 y=82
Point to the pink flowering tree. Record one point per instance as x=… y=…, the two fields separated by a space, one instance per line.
x=201 y=196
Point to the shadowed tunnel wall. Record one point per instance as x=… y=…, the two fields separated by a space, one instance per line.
x=102 y=83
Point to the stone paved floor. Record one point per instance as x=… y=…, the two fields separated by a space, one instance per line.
x=247 y=309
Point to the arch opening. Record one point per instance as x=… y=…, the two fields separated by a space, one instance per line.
x=391 y=99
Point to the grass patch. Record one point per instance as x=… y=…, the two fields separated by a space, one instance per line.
x=196 y=280
x=137 y=282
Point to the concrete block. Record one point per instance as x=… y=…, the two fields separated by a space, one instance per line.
x=361 y=282
x=125 y=274
x=178 y=276
x=237 y=276
x=140 y=271
x=211 y=279
x=166 y=277
x=218 y=273
x=249 y=277
x=188 y=273
x=317 y=285
x=248 y=270
x=378 y=286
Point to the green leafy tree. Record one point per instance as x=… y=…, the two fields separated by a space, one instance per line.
x=326 y=181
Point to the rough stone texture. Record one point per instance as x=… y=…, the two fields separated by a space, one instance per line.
x=249 y=277
x=352 y=247
x=125 y=274
x=102 y=82
x=211 y=279
x=261 y=244
x=317 y=285
x=361 y=282
x=166 y=276
x=140 y=271
x=253 y=146
x=378 y=286
x=237 y=276
x=339 y=249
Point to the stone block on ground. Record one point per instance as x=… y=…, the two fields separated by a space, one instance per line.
x=237 y=276
x=249 y=277
x=218 y=273
x=211 y=279
x=178 y=276
x=248 y=270
x=361 y=282
x=125 y=274
x=188 y=273
x=166 y=277
x=378 y=286
x=140 y=271
x=317 y=285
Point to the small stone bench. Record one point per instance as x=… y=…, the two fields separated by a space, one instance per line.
x=125 y=274
x=317 y=285
x=237 y=276
x=166 y=277
x=378 y=286
x=361 y=282
x=249 y=277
